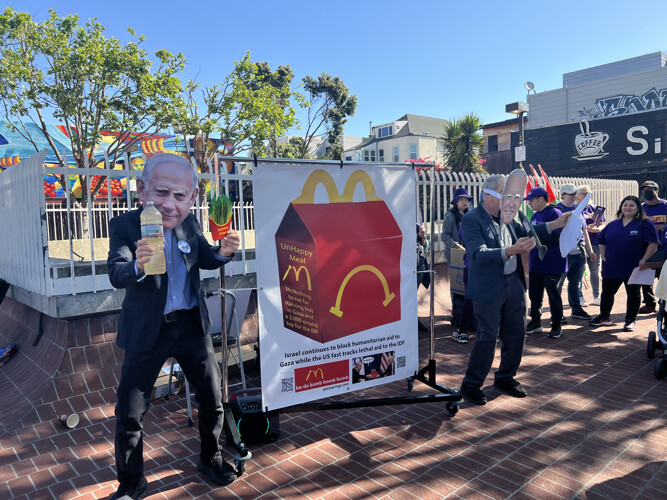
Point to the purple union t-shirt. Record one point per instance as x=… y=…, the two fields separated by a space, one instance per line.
x=658 y=215
x=625 y=246
x=552 y=263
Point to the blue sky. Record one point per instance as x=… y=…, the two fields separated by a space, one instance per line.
x=433 y=58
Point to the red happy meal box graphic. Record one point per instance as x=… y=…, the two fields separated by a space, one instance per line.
x=339 y=262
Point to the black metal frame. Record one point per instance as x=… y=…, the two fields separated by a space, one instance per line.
x=426 y=375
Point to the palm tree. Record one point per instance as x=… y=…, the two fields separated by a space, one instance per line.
x=463 y=143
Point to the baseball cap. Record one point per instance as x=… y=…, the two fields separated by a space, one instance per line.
x=567 y=189
x=535 y=192
x=649 y=184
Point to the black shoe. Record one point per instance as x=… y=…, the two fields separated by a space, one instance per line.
x=511 y=387
x=421 y=327
x=473 y=394
x=600 y=321
x=535 y=326
x=581 y=314
x=219 y=471
x=132 y=491
x=555 y=332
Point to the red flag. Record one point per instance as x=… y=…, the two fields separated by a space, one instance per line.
x=550 y=190
x=537 y=181
x=529 y=186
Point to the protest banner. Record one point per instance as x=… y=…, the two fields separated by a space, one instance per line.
x=336 y=278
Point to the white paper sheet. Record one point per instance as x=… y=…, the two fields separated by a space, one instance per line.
x=573 y=230
x=641 y=277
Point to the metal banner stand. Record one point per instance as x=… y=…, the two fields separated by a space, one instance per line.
x=426 y=375
x=229 y=422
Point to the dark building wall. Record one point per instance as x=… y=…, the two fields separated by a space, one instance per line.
x=498 y=162
x=623 y=147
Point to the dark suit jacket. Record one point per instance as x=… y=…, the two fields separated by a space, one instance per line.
x=143 y=307
x=485 y=262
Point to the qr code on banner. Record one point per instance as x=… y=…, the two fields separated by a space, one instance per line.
x=400 y=362
x=287 y=384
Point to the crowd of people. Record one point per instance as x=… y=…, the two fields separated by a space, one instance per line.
x=630 y=240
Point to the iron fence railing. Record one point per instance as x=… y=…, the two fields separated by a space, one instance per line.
x=59 y=247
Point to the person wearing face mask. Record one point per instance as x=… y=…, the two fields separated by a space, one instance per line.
x=497 y=284
x=656 y=211
x=165 y=315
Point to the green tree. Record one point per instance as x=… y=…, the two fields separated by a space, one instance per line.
x=87 y=81
x=328 y=107
x=463 y=144
x=251 y=106
x=292 y=149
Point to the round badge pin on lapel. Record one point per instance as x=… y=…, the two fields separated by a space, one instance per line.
x=184 y=246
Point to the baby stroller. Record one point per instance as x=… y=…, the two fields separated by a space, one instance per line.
x=658 y=342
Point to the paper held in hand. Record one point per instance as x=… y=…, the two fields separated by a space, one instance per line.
x=573 y=230
x=638 y=277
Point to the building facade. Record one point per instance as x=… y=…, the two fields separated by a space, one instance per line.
x=409 y=138
x=606 y=121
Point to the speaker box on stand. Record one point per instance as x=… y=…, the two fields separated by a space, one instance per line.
x=253 y=424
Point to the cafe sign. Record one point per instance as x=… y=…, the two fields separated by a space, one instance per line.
x=638 y=136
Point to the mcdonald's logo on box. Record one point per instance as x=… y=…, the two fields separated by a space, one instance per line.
x=315 y=376
x=339 y=262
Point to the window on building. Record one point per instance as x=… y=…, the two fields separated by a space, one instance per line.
x=348 y=158
x=413 y=151
x=385 y=131
x=381 y=155
x=369 y=155
x=493 y=143
x=396 y=154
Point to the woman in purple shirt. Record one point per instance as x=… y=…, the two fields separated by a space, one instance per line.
x=625 y=243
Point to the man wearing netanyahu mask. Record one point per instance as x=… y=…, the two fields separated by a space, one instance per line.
x=497 y=284
x=164 y=315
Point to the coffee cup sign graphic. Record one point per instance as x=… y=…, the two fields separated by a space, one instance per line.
x=338 y=262
x=589 y=145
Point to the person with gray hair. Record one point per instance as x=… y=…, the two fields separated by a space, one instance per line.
x=165 y=316
x=497 y=285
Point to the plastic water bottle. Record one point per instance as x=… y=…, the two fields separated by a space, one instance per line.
x=153 y=232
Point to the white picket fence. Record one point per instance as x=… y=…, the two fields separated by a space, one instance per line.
x=605 y=192
x=44 y=251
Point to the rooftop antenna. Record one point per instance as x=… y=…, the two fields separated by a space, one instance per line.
x=530 y=86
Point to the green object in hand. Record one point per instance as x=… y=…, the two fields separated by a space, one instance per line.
x=221 y=209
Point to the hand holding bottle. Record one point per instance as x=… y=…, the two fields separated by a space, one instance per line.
x=144 y=253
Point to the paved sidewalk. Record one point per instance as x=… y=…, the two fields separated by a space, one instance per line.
x=594 y=426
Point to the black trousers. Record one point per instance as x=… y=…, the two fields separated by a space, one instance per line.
x=193 y=350
x=504 y=318
x=609 y=288
x=538 y=284
x=647 y=291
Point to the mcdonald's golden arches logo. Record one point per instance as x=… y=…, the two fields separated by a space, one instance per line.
x=314 y=373
x=297 y=271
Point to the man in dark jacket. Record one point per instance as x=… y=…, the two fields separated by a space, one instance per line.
x=164 y=316
x=497 y=286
